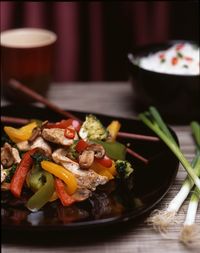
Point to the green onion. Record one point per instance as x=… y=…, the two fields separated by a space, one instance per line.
x=196 y=133
x=179 y=55
x=156 y=124
x=190 y=233
x=161 y=219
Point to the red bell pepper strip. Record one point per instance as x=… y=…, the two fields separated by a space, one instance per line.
x=19 y=177
x=64 y=197
x=69 y=133
x=65 y=123
x=174 y=60
x=179 y=46
x=161 y=56
x=105 y=161
x=187 y=58
x=81 y=146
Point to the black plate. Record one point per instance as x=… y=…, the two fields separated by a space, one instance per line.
x=108 y=205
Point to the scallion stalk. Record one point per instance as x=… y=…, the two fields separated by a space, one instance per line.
x=190 y=233
x=157 y=126
x=161 y=219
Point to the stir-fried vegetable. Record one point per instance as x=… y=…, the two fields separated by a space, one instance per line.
x=61 y=191
x=115 y=150
x=21 y=134
x=10 y=172
x=21 y=173
x=63 y=160
x=35 y=179
x=42 y=196
x=109 y=172
x=92 y=129
x=113 y=130
x=124 y=168
x=65 y=124
x=61 y=173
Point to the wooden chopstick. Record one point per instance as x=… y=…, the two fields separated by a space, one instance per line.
x=14 y=120
x=23 y=121
x=136 y=155
x=38 y=98
x=16 y=85
x=137 y=136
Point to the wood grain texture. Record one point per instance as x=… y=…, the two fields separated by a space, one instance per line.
x=116 y=99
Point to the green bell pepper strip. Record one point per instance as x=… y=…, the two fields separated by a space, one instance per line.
x=42 y=196
x=115 y=150
x=35 y=178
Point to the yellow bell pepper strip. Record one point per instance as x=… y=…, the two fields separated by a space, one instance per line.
x=61 y=173
x=103 y=171
x=112 y=169
x=53 y=197
x=113 y=130
x=20 y=134
x=64 y=197
x=42 y=196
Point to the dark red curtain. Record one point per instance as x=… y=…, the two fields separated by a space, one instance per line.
x=95 y=37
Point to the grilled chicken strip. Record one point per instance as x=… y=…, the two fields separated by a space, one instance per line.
x=39 y=142
x=3 y=174
x=9 y=155
x=57 y=135
x=88 y=179
x=42 y=144
x=23 y=145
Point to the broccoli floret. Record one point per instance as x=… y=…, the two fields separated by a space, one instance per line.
x=92 y=129
x=10 y=173
x=71 y=151
x=124 y=169
x=124 y=175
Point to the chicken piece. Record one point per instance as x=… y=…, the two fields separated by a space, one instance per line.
x=88 y=179
x=39 y=142
x=9 y=155
x=57 y=135
x=3 y=174
x=42 y=144
x=23 y=145
x=81 y=194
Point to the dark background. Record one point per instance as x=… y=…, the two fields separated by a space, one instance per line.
x=95 y=37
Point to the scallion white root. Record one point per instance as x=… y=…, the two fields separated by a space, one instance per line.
x=190 y=233
x=162 y=219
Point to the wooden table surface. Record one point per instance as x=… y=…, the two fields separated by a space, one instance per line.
x=112 y=99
